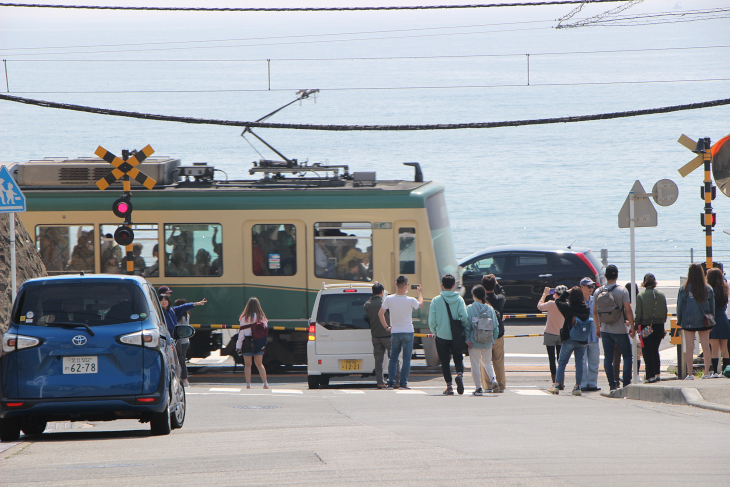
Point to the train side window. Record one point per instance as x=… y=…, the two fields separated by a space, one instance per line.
x=274 y=249
x=407 y=250
x=193 y=249
x=58 y=251
x=343 y=250
x=144 y=251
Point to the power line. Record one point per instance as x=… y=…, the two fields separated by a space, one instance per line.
x=362 y=128
x=310 y=9
x=377 y=88
x=377 y=58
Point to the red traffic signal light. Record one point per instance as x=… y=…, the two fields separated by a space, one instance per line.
x=124 y=236
x=703 y=219
x=123 y=208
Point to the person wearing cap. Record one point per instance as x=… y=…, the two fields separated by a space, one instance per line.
x=592 y=357
x=164 y=291
x=553 y=324
x=612 y=331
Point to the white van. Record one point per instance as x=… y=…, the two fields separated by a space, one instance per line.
x=340 y=343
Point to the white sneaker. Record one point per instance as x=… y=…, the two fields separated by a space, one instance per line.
x=716 y=375
x=708 y=376
x=690 y=377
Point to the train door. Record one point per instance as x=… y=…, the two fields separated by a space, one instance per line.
x=274 y=269
x=407 y=256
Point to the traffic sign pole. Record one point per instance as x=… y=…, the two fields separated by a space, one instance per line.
x=13 y=279
x=632 y=243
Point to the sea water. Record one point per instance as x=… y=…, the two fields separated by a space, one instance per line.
x=557 y=184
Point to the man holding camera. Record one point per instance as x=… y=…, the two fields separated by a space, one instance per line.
x=401 y=330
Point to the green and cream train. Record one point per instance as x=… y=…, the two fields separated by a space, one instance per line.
x=278 y=238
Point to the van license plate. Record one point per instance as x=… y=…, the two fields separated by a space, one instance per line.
x=81 y=365
x=350 y=364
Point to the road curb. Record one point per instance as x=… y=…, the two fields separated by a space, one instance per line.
x=682 y=396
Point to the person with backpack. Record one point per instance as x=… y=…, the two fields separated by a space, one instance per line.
x=481 y=332
x=574 y=334
x=611 y=309
x=496 y=298
x=553 y=324
x=651 y=314
x=447 y=319
x=696 y=313
x=720 y=333
x=251 y=343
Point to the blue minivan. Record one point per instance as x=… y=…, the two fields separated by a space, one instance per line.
x=88 y=348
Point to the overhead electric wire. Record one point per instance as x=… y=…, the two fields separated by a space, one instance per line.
x=310 y=9
x=361 y=128
x=376 y=88
x=376 y=58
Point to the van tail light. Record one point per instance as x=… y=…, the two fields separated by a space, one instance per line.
x=311 y=331
x=349 y=290
x=14 y=404
x=13 y=342
x=146 y=399
x=587 y=262
x=144 y=338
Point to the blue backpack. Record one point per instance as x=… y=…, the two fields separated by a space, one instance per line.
x=581 y=330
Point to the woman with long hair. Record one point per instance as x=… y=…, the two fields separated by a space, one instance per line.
x=651 y=314
x=695 y=301
x=252 y=350
x=182 y=345
x=553 y=324
x=720 y=333
x=172 y=315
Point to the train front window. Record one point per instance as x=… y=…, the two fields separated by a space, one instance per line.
x=66 y=249
x=443 y=245
x=343 y=250
x=407 y=250
x=193 y=250
x=145 y=251
x=274 y=249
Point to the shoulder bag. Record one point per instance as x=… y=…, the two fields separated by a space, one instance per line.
x=458 y=332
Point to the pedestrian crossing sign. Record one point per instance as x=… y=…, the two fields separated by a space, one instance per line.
x=12 y=199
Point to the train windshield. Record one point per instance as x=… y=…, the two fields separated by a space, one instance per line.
x=443 y=245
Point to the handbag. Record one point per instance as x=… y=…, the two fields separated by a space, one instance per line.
x=258 y=329
x=458 y=332
x=708 y=319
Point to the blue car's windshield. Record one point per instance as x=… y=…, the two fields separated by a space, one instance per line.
x=88 y=303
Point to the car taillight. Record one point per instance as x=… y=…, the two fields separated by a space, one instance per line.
x=311 y=332
x=13 y=342
x=587 y=262
x=144 y=338
x=349 y=290
x=146 y=399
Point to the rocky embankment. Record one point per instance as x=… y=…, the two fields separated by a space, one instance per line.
x=28 y=263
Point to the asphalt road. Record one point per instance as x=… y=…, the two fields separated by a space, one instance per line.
x=355 y=434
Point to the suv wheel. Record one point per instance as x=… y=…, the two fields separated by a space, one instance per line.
x=313 y=381
x=160 y=422
x=9 y=429
x=33 y=426
x=177 y=418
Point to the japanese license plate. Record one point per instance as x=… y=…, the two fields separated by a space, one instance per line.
x=81 y=365
x=350 y=364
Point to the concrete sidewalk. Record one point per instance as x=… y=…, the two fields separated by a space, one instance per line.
x=711 y=394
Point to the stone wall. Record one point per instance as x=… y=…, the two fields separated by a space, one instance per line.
x=27 y=261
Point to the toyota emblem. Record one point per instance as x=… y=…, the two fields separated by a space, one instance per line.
x=79 y=340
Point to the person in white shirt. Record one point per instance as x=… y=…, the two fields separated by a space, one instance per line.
x=401 y=331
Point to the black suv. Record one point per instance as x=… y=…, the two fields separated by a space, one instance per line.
x=525 y=270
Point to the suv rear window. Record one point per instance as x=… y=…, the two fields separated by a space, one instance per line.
x=90 y=303
x=343 y=311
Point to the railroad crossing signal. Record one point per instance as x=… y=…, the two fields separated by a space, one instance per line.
x=125 y=168
x=704 y=156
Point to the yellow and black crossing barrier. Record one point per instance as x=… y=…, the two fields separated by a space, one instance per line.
x=128 y=167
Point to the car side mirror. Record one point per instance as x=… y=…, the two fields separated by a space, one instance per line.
x=183 y=331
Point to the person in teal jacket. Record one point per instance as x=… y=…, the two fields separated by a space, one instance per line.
x=480 y=353
x=440 y=325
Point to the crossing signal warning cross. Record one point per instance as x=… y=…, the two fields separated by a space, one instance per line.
x=128 y=167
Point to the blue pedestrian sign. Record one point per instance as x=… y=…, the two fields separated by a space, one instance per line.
x=12 y=199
